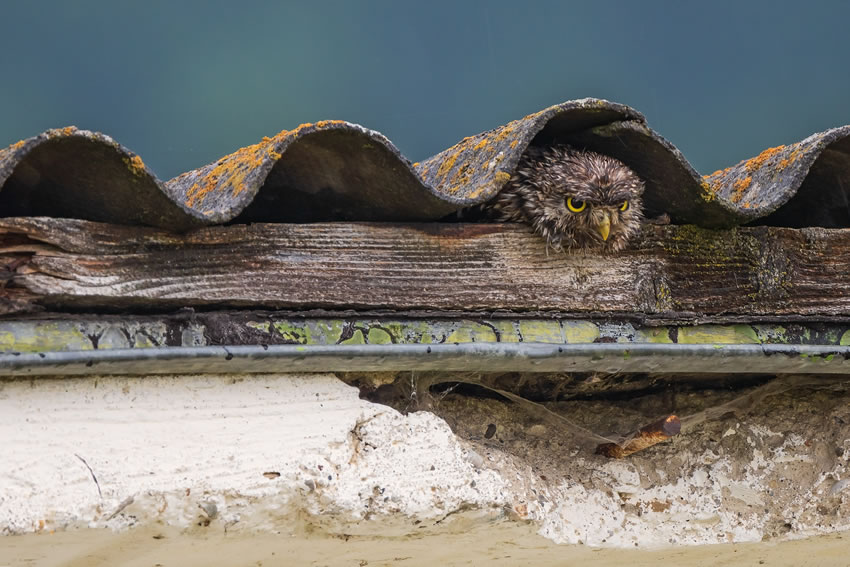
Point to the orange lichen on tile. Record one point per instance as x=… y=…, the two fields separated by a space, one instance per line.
x=482 y=144
x=475 y=193
x=502 y=177
x=708 y=189
x=792 y=157
x=300 y=127
x=198 y=192
x=739 y=187
x=535 y=114
x=506 y=131
x=326 y=123
x=496 y=184
x=461 y=176
x=66 y=131
x=716 y=173
x=712 y=182
x=136 y=165
x=234 y=169
x=448 y=164
x=756 y=163
x=514 y=144
x=17 y=145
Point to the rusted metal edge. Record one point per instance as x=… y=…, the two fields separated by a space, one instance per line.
x=527 y=357
x=335 y=170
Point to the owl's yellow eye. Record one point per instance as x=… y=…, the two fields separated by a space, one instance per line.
x=575 y=206
x=624 y=206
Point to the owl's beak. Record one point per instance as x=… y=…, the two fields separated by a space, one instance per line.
x=605 y=226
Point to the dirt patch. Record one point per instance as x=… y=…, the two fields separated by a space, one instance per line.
x=773 y=468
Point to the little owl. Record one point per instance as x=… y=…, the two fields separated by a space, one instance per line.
x=573 y=199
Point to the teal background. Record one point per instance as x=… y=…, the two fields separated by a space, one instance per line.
x=183 y=83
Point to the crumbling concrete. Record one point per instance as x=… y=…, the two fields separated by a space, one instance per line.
x=286 y=453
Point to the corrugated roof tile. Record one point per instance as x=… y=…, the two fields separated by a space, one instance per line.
x=335 y=170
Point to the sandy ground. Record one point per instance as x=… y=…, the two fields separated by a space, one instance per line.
x=500 y=544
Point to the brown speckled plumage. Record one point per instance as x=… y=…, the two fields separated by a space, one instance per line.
x=545 y=179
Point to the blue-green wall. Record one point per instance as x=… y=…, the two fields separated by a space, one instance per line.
x=182 y=83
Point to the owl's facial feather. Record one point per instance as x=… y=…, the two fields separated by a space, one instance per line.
x=574 y=199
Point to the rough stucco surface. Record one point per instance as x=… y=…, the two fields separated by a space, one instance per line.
x=281 y=453
x=176 y=443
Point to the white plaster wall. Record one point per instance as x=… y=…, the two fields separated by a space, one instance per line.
x=187 y=447
x=284 y=453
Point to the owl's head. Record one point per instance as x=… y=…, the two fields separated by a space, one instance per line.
x=581 y=199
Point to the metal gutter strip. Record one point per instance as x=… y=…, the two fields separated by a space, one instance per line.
x=528 y=357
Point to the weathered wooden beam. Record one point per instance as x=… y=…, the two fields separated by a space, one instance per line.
x=677 y=271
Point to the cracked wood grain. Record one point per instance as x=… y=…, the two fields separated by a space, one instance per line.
x=681 y=270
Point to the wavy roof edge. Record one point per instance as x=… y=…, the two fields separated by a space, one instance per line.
x=336 y=170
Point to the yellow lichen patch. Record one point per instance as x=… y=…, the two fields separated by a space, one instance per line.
x=792 y=157
x=416 y=164
x=535 y=115
x=461 y=176
x=67 y=131
x=708 y=190
x=716 y=173
x=233 y=169
x=506 y=131
x=273 y=154
x=502 y=177
x=448 y=164
x=136 y=165
x=475 y=193
x=514 y=143
x=712 y=183
x=326 y=123
x=198 y=192
x=756 y=163
x=482 y=144
x=300 y=127
x=739 y=187
x=17 y=145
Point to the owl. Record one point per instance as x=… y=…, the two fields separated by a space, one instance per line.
x=573 y=199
